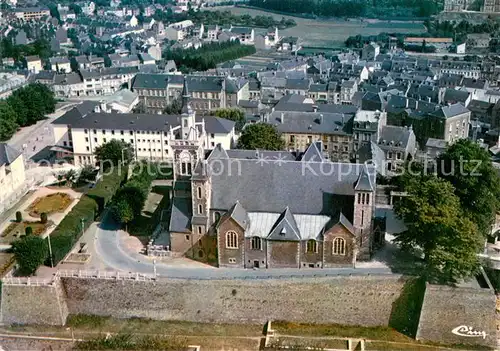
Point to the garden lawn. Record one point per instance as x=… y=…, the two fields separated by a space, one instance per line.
x=57 y=202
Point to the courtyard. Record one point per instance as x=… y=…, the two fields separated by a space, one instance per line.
x=56 y=202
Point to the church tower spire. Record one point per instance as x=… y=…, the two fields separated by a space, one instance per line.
x=188 y=116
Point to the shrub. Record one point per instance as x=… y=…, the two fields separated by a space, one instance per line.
x=28 y=231
x=30 y=252
x=43 y=218
x=67 y=233
x=107 y=187
x=19 y=217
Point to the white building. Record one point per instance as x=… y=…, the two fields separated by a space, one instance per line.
x=152 y=136
x=12 y=176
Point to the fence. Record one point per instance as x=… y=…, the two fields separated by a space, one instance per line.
x=29 y=281
x=86 y=274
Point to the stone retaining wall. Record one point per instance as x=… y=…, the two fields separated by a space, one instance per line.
x=362 y=300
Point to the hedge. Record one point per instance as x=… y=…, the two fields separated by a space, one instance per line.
x=69 y=231
x=107 y=187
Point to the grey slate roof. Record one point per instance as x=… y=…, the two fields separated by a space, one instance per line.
x=270 y=186
x=313 y=153
x=364 y=182
x=451 y=111
x=8 y=154
x=311 y=122
x=286 y=228
x=394 y=136
x=454 y=96
x=133 y=121
x=180 y=217
x=77 y=112
x=239 y=215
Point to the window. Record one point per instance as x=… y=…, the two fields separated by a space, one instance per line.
x=367 y=199
x=95 y=139
x=88 y=149
x=256 y=243
x=338 y=246
x=95 y=131
x=87 y=140
x=231 y=240
x=199 y=192
x=104 y=140
x=312 y=246
x=65 y=143
x=112 y=132
x=103 y=132
x=85 y=131
x=187 y=237
x=131 y=141
x=232 y=260
x=200 y=209
x=131 y=133
x=121 y=132
x=200 y=229
x=185 y=122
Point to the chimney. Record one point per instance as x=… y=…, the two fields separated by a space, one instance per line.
x=321 y=118
x=282 y=118
x=416 y=105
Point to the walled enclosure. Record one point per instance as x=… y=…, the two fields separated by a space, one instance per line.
x=446 y=308
x=348 y=300
x=34 y=304
x=357 y=300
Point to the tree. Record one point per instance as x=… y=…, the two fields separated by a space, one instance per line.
x=234 y=114
x=8 y=123
x=19 y=217
x=122 y=212
x=87 y=173
x=70 y=177
x=260 y=136
x=468 y=167
x=30 y=252
x=437 y=226
x=174 y=108
x=43 y=218
x=114 y=152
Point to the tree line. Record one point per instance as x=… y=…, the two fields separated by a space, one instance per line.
x=352 y=8
x=208 y=56
x=24 y=107
x=40 y=47
x=222 y=18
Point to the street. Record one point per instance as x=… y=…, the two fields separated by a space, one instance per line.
x=33 y=139
x=109 y=249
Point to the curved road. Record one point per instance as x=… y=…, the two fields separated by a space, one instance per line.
x=108 y=247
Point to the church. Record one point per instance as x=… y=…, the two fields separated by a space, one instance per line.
x=268 y=209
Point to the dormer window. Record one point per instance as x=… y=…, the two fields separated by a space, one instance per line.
x=283 y=231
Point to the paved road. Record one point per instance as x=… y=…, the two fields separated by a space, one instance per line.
x=32 y=139
x=110 y=250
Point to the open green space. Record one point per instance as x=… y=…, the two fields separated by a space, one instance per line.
x=57 y=202
x=15 y=230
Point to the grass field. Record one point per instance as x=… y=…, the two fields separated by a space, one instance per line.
x=331 y=32
x=57 y=202
x=15 y=230
x=218 y=336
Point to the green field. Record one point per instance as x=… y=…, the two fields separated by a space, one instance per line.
x=332 y=32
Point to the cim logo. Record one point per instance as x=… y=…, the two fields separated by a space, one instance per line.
x=464 y=330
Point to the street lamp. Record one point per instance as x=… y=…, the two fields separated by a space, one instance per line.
x=82 y=221
x=50 y=252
